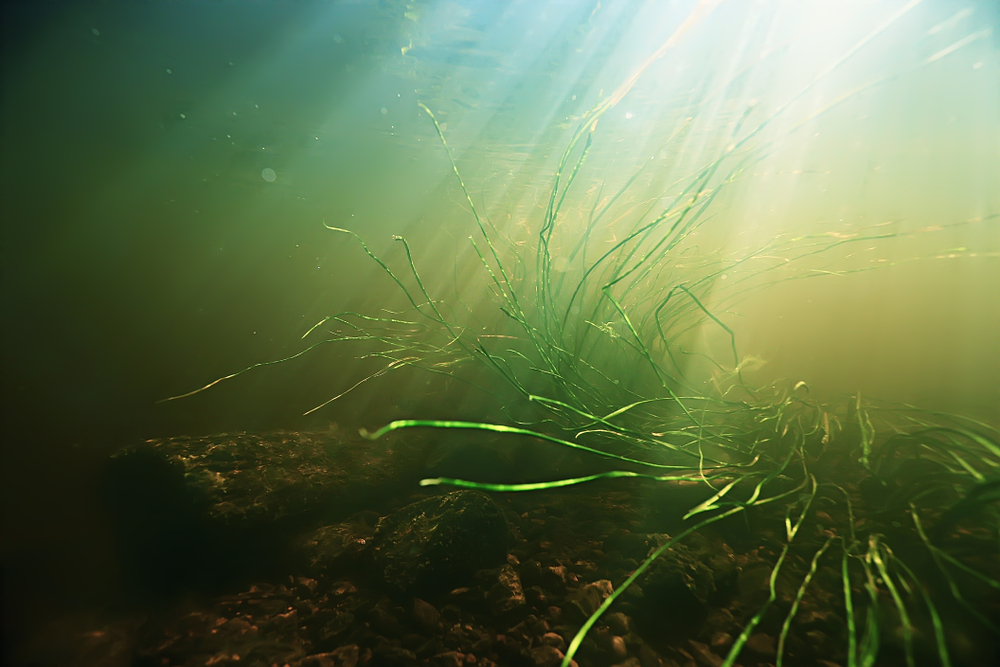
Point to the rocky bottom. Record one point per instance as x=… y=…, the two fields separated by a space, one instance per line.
x=348 y=605
x=431 y=576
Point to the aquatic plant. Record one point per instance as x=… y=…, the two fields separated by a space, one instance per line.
x=899 y=502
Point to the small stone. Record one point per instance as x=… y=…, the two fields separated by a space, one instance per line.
x=618 y=647
x=425 y=614
x=817 y=639
x=720 y=619
x=537 y=597
x=449 y=659
x=393 y=656
x=555 y=613
x=761 y=644
x=345 y=656
x=546 y=656
x=703 y=655
x=630 y=662
x=556 y=576
x=552 y=639
x=531 y=573
x=618 y=622
x=506 y=595
x=586 y=600
x=648 y=657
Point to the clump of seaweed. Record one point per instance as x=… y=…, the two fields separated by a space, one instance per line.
x=900 y=502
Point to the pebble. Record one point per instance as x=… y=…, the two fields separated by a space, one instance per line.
x=552 y=639
x=761 y=644
x=618 y=647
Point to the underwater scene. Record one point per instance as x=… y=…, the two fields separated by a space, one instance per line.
x=501 y=333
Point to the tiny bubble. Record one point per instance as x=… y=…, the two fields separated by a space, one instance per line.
x=384 y=111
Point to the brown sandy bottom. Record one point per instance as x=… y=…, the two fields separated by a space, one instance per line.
x=386 y=573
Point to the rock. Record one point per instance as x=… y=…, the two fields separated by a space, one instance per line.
x=383 y=621
x=648 y=657
x=618 y=648
x=629 y=662
x=425 y=614
x=818 y=641
x=583 y=602
x=676 y=590
x=506 y=596
x=449 y=659
x=761 y=644
x=720 y=620
x=531 y=574
x=470 y=599
x=336 y=630
x=618 y=622
x=703 y=656
x=201 y=635
x=546 y=656
x=194 y=512
x=345 y=656
x=555 y=614
x=437 y=544
x=537 y=598
x=388 y=655
x=337 y=549
x=552 y=639
x=754 y=584
x=555 y=577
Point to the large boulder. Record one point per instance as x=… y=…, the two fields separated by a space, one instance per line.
x=197 y=512
x=439 y=543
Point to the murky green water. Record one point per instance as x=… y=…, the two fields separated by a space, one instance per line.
x=171 y=171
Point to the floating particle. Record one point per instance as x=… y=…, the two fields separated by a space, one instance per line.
x=268 y=174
